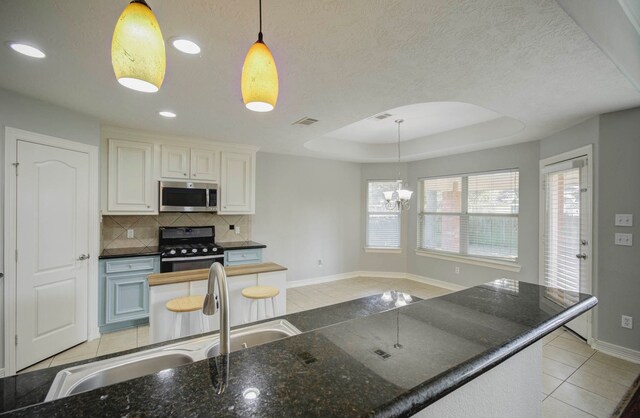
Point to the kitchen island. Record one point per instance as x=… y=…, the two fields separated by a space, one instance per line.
x=429 y=357
x=166 y=286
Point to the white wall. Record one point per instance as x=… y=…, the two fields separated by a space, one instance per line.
x=308 y=209
x=22 y=112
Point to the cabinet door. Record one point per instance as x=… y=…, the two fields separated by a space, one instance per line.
x=204 y=164
x=237 y=183
x=127 y=297
x=175 y=162
x=131 y=186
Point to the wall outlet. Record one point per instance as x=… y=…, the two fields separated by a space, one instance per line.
x=457 y=270
x=627 y=322
x=237 y=230
x=129 y=233
x=624 y=239
x=624 y=219
x=319 y=262
x=232 y=227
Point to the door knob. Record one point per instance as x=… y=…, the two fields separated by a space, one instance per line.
x=582 y=256
x=84 y=257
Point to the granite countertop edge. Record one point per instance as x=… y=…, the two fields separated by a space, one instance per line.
x=240 y=245
x=434 y=389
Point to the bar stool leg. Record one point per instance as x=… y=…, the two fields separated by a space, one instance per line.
x=273 y=307
x=177 y=324
x=201 y=322
x=266 y=314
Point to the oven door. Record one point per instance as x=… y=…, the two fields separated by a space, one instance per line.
x=185 y=197
x=189 y=263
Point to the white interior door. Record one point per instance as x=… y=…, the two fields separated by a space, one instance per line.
x=567 y=232
x=52 y=243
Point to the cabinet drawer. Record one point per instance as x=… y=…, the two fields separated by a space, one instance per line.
x=127 y=298
x=129 y=264
x=236 y=257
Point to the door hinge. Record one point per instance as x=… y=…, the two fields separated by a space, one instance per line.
x=16 y=255
x=16 y=339
x=16 y=164
x=584 y=189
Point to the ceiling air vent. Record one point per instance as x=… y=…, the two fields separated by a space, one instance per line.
x=381 y=116
x=305 y=121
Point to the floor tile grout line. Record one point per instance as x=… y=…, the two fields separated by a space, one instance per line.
x=574 y=407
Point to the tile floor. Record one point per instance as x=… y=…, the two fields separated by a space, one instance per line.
x=577 y=380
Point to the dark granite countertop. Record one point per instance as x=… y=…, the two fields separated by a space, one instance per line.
x=129 y=252
x=333 y=370
x=240 y=245
x=31 y=388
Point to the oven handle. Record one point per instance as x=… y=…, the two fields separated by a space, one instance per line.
x=204 y=257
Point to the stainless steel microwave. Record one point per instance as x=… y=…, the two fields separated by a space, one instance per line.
x=186 y=196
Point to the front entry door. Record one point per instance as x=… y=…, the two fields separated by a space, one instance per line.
x=52 y=247
x=567 y=231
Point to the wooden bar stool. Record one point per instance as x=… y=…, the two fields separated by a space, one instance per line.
x=255 y=294
x=185 y=305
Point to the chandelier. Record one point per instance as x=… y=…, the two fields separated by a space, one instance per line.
x=398 y=199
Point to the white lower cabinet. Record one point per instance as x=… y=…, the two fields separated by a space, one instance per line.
x=162 y=321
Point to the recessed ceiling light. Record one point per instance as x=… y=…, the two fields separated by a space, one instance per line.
x=167 y=114
x=28 y=50
x=186 y=46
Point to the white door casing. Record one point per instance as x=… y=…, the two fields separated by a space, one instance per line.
x=566 y=227
x=52 y=222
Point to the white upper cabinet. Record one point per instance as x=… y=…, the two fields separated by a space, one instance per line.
x=237 y=183
x=131 y=184
x=175 y=162
x=133 y=162
x=205 y=164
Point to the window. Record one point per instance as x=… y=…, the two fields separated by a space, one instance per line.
x=383 y=225
x=471 y=215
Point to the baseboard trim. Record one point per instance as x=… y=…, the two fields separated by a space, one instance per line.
x=435 y=282
x=617 y=351
x=376 y=274
x=322 y=279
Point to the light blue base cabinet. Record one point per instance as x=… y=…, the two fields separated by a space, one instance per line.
x=124 y=291
x=239 y=257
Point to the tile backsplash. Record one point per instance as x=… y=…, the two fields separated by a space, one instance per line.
x=145 y=227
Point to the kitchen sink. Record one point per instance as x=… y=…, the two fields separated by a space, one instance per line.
x=114 y=370
x=256 y=335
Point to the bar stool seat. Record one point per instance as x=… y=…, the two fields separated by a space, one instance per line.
x=260 y=293
x=185 y=305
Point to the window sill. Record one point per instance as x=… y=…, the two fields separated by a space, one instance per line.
x=484 y=262
x=383 y=250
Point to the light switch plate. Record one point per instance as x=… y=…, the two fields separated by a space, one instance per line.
x=624 y=239
x=624 y=219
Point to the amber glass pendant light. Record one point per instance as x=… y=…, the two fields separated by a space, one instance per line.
x=137 y=49
x=259 y=76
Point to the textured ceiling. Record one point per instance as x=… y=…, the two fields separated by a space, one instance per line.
x=339 y=62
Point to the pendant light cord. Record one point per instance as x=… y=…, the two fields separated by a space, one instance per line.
x=398 y=122
x=260 y=33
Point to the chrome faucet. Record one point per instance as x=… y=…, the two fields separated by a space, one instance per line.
x=210 y=306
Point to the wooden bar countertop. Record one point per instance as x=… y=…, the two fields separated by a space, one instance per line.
x=203 y=274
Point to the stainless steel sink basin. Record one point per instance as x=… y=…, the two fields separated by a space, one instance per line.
x=95 y=375
x=256 y=335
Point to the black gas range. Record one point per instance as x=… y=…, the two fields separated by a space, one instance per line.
x=188 y=248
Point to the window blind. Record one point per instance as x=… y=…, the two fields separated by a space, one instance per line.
x=475 y=214
x=383 y=225
x=562 y=230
